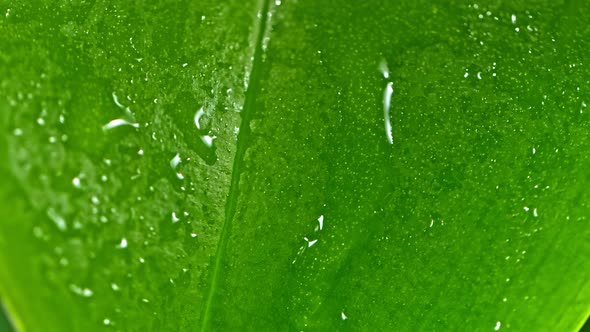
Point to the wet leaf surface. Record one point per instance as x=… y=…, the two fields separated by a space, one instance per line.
x=294 y=165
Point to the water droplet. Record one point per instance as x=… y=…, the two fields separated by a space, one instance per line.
x=123 y=244
x=513 y=19
x=384 y=69
x=535 y=212
x=310 y=243
x=17 y=132
x=193 y=234
x=174 y=217
x=534 y=150
x=184 y=65
x=57 y=219
x=116 y=100
x=119 y=122
x=115 y=287
x=386 y=105
x=343 y=316
x=141 y=260
x=85 y=292
x=198 y=116
x=76 y=182
x=175 y=161
x=208 y=140
x=498 y=325
x=106 y=321
x=321 y=221
x=41 y=121
x=8 y=12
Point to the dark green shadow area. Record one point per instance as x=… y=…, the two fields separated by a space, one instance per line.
x=4 y=323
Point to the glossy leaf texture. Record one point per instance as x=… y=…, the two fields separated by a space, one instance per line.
x=197 y=165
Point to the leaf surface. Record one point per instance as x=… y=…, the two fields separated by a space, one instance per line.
x=301 y=215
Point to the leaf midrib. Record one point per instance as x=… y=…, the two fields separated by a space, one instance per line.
x=242 y=143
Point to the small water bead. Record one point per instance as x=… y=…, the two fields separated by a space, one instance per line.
x=76 y=182
x=85 y=292
x=498 y=325
x=122 y=244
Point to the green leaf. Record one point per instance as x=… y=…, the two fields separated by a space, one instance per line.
x=228 y=166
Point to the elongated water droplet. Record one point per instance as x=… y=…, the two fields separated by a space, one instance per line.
x=175 y=161
x=59 y=221
x=198 y=116
x=119 y=122
x=386 y=114
x=116 y=100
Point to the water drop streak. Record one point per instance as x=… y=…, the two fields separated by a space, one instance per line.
x=242 y=144
x=386 y=105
